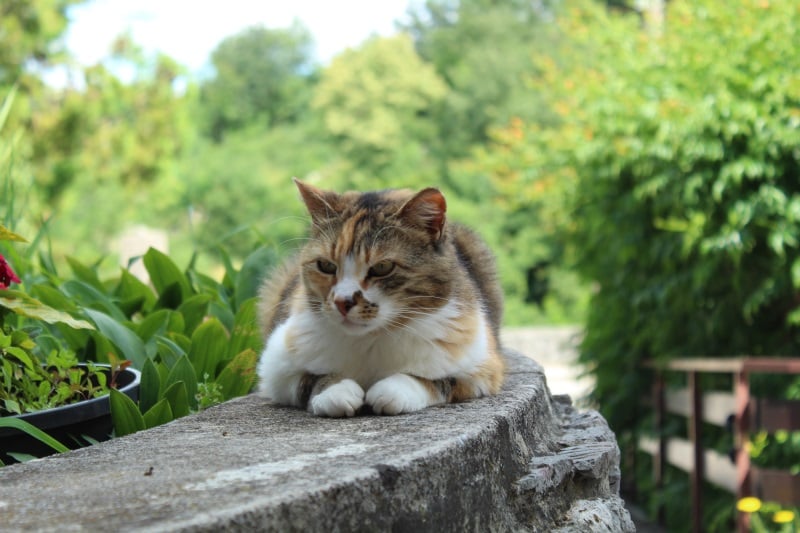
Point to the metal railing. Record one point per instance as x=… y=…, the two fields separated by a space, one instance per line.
x=736 y=410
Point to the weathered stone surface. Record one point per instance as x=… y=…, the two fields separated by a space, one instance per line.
x=517 y=461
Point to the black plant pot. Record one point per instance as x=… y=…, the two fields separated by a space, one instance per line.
x=69 y=424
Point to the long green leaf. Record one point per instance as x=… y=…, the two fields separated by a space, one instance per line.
x=24 y=305
x=153 y=324
x=85 y=274
x=159 y=414
x=125 y=414
x=89 y=296
x=6 y=107
x=246 y=331
x=131 y=288
x=238 y=376
x=164 y=273
x=149 y=387
x=184 y=371
x=169 y=351
x=8 y=235
x=178 y=399
x=194 y=310
x=127 y=341
x=209 y=348
x=33 y=431
x=252 y=272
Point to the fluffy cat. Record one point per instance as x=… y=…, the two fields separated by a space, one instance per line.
x=387 y=305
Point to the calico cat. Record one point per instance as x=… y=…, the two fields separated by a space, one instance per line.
x=387 y=305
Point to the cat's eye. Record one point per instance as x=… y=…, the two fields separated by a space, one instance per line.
x=326 y=267
x=381 y=268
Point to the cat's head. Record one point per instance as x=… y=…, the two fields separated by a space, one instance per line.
x=375 y=260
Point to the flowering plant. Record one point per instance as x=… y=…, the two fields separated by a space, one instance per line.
x=7 y=275
x=194 y=339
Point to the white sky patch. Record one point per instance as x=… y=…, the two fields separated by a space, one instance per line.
x=188 y=31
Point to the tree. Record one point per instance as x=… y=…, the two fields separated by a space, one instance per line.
x=261 y=75
x=483 y=50
x=375 y=102
x=29 y=32
x=673 y=161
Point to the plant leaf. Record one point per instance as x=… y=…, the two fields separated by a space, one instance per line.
x=127 y=341
x=125 y=414
x=149 y=387
x=252 y=273
x=85 y=274
x=238 y=376
x=164 y=273
x=24 y=305
x=131 y=288
x=209 y=348
x=183 y=371
x=178 y=399
x=246 y=331
x=194 y=310
x=33 y=431
x=8 y=235
x=89 y=296
x=159 y=414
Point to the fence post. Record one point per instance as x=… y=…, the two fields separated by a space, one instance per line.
x=741 y=430
x=696 y=438
x=660 y=459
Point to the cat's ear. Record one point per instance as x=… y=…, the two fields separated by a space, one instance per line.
x=321 y=205
x=426 y=210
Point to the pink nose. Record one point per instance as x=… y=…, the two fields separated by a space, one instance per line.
x=344 y=305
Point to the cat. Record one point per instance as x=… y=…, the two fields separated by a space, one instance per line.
x=388 y=305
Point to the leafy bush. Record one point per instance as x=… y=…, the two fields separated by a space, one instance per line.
x=29 y=385
x=194 y=339
x=672 y=161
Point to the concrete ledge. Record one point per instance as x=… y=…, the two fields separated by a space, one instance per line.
x=517 y=461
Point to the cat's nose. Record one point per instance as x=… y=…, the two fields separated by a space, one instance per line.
x=344 y=305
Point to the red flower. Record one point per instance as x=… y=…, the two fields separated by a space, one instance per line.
x=7 y=275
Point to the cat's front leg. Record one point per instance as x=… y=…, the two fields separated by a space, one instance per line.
x=330 y=395
x=401 y=393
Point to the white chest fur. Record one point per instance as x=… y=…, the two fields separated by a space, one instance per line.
x=307 y=342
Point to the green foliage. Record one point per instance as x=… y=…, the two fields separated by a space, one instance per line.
x=33 y=431
x=372 y=97
x=195 y=340
x=30 y=30
x=671 y=160
x=32 y=383
x=262 y=76
x=482 y=50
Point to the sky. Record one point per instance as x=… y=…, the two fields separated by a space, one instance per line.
x=188 y=30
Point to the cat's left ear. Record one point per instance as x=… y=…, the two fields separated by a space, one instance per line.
x=426 y=210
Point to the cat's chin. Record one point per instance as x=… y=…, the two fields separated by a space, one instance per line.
x=355 y=329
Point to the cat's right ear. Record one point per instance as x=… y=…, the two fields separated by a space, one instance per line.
x=321 y=205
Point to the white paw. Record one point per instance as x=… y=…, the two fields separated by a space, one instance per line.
x=397 y=394
x=341 y=399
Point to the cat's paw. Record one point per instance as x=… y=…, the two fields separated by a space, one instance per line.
x=399 y=393
x=338 y=400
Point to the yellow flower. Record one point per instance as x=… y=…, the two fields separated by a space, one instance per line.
x=749 y=504
x=783 y=517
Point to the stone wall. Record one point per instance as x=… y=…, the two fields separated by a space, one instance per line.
x=520 y=461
